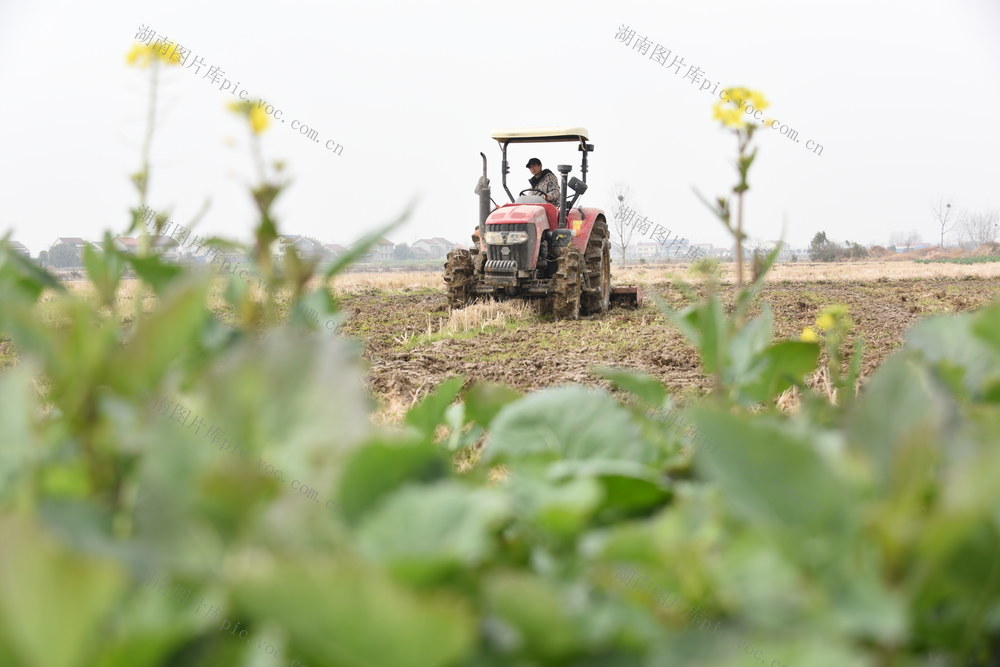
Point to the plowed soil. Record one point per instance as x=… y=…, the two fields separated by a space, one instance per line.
x=538 y=352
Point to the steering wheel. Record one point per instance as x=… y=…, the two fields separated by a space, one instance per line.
x=540 y=193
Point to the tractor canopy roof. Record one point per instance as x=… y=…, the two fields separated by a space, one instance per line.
x=540 y=134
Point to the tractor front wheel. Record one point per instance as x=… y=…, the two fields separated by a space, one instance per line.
x=458 y=278
x=566 y=295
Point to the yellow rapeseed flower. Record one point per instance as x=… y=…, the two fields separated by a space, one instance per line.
x=809 y=335
x=730 y=116
x=142 y=55
x=757 y=100
x=258 y=120
x=825 y=322
x=732 y=111
x=254 y=112
x=138 y=50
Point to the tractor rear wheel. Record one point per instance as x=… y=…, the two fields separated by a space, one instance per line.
x=566 y=295
x=598 y=259
x=458 y=278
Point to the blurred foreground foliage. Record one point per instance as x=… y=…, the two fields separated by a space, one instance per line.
x=175 y=490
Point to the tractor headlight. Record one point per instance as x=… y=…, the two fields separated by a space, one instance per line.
x=506 y=238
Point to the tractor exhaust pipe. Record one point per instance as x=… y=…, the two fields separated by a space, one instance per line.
x=564 y=169
x=483 y=190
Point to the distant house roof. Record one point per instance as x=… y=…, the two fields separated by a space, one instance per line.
x=18 y=246
x=385 y=242
x=335 y=247
x=436 y=241
x=128 y=241
x=74 y=241
x=161 y=242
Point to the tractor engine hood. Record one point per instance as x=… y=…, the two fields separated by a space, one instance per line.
x=519 y=214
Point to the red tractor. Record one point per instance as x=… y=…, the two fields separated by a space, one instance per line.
x=530 y=248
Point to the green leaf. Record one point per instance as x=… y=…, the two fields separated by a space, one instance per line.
x=104 y=268
x=485 y=400
x=425 y=532
x=18 y=444
x=899 y=408
x=381 y=467
x=154 y=271
x=960 y=346
x=160 y=337
x=748 y=342
x=571 y=422
x=645 y=387
x=429 y=413
x=560 y=509
x=986 y=325
x=705 y=325
x=26 y=276
x=38 y=578
x=539 y=613
x=781 y=366
x=627 y=487
x=347 y=615
x=772 y=477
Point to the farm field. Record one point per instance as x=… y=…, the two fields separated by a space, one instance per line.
x=411 y=346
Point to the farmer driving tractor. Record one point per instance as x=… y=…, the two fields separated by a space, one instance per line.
x=543 y=181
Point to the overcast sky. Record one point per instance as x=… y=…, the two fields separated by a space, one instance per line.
x=903 y=96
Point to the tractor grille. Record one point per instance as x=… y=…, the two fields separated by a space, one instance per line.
x=502 y=265
x=521 y=253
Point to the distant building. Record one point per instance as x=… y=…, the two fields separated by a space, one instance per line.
x=127 y=244
x=676 y=248
x=697 y=250
x=334 y=250
x=647 y=250
x=164 y=246
x=436 y=248
x=74 y=242
x=19 y=247
x=382 y=251
x=911 y=248
x=308 y=248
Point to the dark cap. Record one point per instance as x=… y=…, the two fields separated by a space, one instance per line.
x=532 y=161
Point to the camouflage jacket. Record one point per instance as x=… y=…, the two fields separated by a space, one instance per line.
x=548 y=183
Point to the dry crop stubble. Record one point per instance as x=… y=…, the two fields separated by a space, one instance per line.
x=868 y=270
x=544 y=353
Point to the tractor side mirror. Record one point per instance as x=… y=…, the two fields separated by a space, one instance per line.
x=577 y=186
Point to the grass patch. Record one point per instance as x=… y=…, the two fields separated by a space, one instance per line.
x=479 y=318
x=982 y=259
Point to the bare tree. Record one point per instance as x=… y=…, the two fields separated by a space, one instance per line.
x=908 y=238
x=624 y=218
x=943 y=211
x=759 y=246
x=979 y=229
